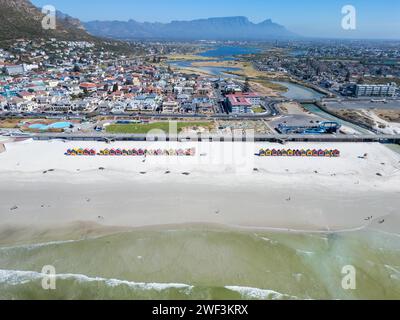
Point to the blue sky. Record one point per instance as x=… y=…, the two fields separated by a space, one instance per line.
x=314 y=18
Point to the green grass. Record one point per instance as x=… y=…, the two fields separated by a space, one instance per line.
x=145 y=128
x=258 y=109
x=267 y=83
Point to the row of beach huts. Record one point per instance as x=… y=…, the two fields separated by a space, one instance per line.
x=299 y=153
x=130 y=152
x=192 y=152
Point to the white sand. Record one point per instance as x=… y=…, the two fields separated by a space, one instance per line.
x=302 y=194
x=382 y=125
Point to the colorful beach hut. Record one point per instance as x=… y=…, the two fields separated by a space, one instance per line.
x=328 y=153
x=336 y=153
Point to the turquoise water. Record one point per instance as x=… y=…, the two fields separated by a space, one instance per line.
x=38 y=126
x=229 y=51
x=298 y=92
x=60 y=125
x=189 y=263
x=56 y=125
x=218 y=71
x=223 y=53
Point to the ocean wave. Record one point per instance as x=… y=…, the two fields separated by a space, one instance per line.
x=396 y=270
x=273 y=242
x=304 y=252
x=260 y=294
x=38 y=245
x=17 y=277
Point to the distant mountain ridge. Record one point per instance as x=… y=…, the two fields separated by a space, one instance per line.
x=224 y=28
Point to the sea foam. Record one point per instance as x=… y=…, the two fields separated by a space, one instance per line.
x=17 y=277
x=260 y=294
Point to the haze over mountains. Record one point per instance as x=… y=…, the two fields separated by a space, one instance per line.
x=225 y=28
x=21 y=19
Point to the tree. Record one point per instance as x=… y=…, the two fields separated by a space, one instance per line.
x=246 y=87
x=76 y=68
x=115 y=87
x=348 y=76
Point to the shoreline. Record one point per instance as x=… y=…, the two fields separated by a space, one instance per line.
x=81 y=231
x=42 y=189
x=148 y=258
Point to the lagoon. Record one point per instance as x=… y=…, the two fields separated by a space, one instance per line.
x=222 y=53
x=56 y=125
x=227 y=52
x=299 y=92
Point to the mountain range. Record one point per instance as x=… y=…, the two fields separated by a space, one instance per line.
x=225 y=28
x=21 y=19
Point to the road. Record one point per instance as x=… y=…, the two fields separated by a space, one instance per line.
x=97 y=136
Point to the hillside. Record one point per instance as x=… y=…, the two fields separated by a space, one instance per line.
x=21 y=19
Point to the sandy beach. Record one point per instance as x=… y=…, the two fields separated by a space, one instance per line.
x=224 y=184
x=274 y=228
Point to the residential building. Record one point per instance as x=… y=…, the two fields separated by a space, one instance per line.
x=375 y=90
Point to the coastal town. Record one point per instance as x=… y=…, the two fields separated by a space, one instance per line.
x=72 y=86
x=151 y=151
